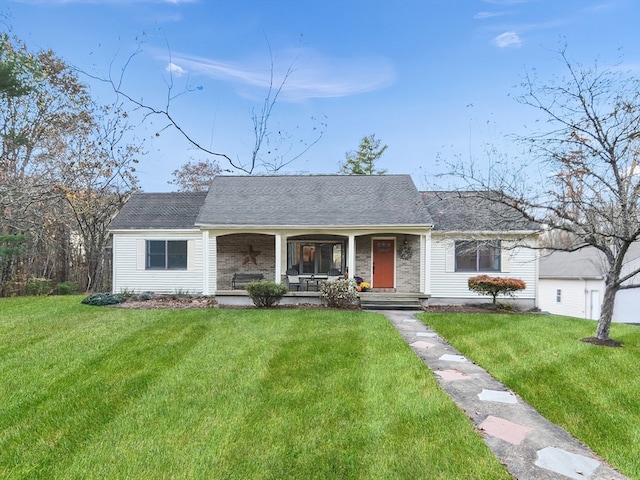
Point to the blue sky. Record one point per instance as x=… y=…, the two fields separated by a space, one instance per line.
x=430 y=78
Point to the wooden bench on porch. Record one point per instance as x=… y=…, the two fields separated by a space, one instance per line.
x=241 y=280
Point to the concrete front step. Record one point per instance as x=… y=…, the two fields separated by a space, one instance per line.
x=382 y=301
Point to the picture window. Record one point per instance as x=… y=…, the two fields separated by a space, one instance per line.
x=166 y=255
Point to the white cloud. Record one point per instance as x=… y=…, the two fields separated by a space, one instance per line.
x=507 y=39
x=484 y=15
x=317 y=77
x=176 y=70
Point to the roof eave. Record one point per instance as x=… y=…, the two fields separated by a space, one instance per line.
x=487 y=232
x=210 y=226
x=155 y=229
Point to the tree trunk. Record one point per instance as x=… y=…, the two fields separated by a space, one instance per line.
x=606 y=312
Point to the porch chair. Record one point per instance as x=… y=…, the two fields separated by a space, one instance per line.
x=293 y=279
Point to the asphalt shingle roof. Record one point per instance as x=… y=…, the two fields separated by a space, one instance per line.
x=318 y=200
x=584 y=263
x=471 y=211
x=159 y=210
x=588 y=262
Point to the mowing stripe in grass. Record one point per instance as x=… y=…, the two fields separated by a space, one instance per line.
x=95 y=393
x=307 y=394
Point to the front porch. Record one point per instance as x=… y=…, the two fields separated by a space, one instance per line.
x=373 y=300
x=390 y=261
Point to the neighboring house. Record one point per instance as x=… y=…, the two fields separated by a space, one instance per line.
x=573 y=284
x=379 y=228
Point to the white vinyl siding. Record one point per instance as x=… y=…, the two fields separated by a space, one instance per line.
x=130 y=275
x=518 y=263
x=575 y=296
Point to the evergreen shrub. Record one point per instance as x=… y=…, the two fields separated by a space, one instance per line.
x=266 y=294
x=101 y=299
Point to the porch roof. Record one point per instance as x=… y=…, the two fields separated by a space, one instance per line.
x=314 y=200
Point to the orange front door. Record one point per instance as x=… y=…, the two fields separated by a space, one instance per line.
x=383 y=263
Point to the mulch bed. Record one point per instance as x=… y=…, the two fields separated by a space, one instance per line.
x=168 y=302
x=602 y=343
x=460 y=309
x=189 y=301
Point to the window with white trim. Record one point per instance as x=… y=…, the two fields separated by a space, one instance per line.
x=558 y=296
x=477 y=256
x=166 y=255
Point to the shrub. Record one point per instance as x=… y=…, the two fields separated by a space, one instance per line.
x=266 y=294
x=145 y=296
x=39 y=286
x=67 y=288
x=340 y=293
x=494 y=286
x=104 y=299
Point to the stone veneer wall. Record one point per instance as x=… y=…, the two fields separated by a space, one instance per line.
x=408 y=271
x=363 y=258
x=232 y=251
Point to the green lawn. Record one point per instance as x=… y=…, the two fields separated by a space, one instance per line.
x=105 y=393
x=593 y=392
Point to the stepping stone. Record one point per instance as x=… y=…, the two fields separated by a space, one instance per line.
x=504 y=429
x=409 y=320
x=426 y=334
x=400 y=326
x=453 y=358
x=451 y=375
x=421 y=344
x=497 y=396
x=566 y=463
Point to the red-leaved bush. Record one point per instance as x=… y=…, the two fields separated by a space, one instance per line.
x=494 y=286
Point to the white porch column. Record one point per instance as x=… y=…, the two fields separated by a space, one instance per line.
x=425 y=263
x=278 y=268
x=351 y=257
x=205 y=262
x=212 y=253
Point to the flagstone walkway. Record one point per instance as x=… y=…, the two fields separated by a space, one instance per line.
x=530 y=447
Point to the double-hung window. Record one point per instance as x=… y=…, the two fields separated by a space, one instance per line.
x=166 y=254
x=478 y=256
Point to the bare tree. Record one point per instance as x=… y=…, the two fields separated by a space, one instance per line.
x=195 y=176
x=65 y=169
x=96 y=177
x=588 y=192
x=272 y=150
